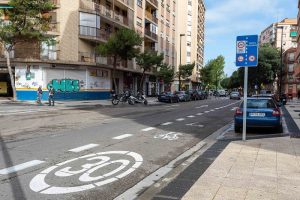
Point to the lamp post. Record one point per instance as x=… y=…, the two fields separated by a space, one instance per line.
x=281 y=61
x=181 y=35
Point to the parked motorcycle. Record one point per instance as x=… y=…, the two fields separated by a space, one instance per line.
x=140 y=98
x=125 y=97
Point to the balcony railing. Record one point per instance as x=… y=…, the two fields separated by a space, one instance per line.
x=151 y=17
x=128 y=2
x=32 y=54
x=89 y=5
x=150 y=34
x=93 y=32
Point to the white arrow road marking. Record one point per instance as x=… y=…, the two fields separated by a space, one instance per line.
x=167 y=123
x=148 y=129
x=195 y=124
x=191 y=116
x=19 y=167
x=120 y=137
x=180 y=119
x=83 y=148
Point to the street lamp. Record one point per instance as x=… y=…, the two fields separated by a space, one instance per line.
x=181 y=35
x=281 y=61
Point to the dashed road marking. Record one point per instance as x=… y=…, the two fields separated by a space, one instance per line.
x=191 y=116
x=120 y=137
x=212 y=110
x=207 y=111
x=20 y=167
x=180 y=119
x=148 y=129
x=199 y=114
x=83 y=148
x=195 y=124
x=167 y=123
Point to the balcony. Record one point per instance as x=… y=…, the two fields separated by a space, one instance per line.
x=151 y=17
x=32 y=54
x=150 y=34
x=129 y=3
x=93 y=33
x=89 y=5
x=154 y=2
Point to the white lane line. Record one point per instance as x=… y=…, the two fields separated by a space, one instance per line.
x=212 y=110
x=20 y=167
x=199 y=114
x=167 y=123
x=180 y=119
x=82 y=148
x=148 y=129
x=195 y=124
x=204 y=106
x=207 y=111
x=174 y=105
x=191 y=116
x=120 y=137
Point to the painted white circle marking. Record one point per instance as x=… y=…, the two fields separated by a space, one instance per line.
x=85 y=175
x=252 y=58
x=241 y=58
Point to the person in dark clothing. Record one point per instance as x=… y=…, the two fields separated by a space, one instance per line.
x=51 y=95
x=39 y=95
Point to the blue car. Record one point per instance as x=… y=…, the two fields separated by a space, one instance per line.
x=261 y=113
x=168 y=97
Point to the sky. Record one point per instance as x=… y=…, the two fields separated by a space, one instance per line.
x=226 y=19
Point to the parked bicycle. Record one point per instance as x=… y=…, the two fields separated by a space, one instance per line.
x=125 y=97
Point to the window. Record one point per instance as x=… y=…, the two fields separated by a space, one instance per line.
x=291 y=67
x=140 y=3
x=189 y=33
x=190 y=2
x=188 y=54
x=188 y=44
x=138 y=21
x=190 y=13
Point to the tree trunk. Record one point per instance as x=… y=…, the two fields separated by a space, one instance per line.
x=113 y=75
x=12 y=80
x=142 y=81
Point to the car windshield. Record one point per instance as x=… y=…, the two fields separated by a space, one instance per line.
x=234 y=93
x=259 y=103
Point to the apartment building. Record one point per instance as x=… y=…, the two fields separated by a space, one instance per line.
x=297 y=54
x=72 y=65
x=190 y=39
x=284 y=33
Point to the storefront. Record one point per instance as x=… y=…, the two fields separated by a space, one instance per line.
x=69 y=82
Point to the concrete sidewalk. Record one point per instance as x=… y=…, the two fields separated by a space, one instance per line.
x=85 y=103
x=260 y=169
x=293 y=107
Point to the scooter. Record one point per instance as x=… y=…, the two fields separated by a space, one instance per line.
x=140 y=98
x=125 y=97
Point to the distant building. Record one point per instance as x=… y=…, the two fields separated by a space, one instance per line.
x=289 y=80
x=190 y=22
x=297 y=57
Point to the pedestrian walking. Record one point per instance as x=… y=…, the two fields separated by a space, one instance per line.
x=51 y=96
x=39 y=95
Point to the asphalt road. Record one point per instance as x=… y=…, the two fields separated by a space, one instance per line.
x=99 y=153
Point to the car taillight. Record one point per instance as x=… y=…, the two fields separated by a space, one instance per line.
x=276 y=112
x=238 y=111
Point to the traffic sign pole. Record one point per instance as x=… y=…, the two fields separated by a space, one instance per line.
x=245 y=103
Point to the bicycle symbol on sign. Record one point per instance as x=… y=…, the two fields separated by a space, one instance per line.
x=168 y=136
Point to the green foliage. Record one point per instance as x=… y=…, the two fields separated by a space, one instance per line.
x=149 y=59
x=166 y=73
x=122 y=44
x=26 y=21
x=213 y=71
x=225 y=83
x=184 y=72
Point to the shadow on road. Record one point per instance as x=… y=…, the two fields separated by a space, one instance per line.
x=16 y=187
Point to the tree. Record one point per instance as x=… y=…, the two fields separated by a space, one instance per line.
x=121 y=45
x=213 y=71
x=266 y=71
x=166 y=73
x=184 y=72
x=225 y=83
x=148 y=60
x=26 y=22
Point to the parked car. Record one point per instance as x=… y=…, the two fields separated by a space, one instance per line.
x=262 y=112
x=201 y=94
x=283 y=99
x=235 y=95
x=183 y=95
x=168 y=97
x=274 y=97
x=193 y=95
x=221 y=93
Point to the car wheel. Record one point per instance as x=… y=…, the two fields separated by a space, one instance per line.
x=279 y=129
x=237 y=129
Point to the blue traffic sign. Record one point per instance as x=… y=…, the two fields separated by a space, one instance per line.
x=247 y=51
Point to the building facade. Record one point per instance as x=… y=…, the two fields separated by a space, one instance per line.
x=297 y=55
x=190 y=39
x=71 y=63
x=284 y=33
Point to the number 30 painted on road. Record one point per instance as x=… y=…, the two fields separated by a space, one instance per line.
x=38 y=183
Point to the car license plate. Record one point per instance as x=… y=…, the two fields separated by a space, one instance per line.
x=257 y=114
